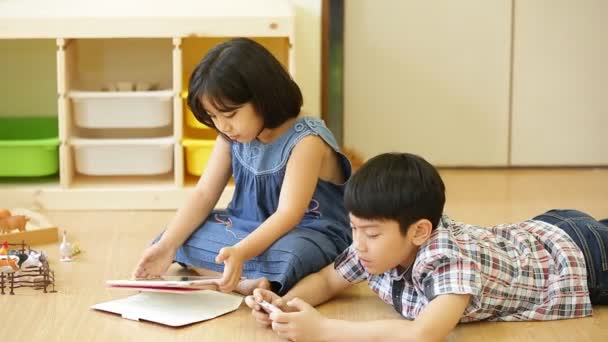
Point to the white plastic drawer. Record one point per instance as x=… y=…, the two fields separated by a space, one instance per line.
x=136 y=109
x=110 y=157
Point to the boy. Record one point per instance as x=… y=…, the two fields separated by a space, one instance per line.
x=438 y=272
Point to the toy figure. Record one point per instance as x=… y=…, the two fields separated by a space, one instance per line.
x=4 y=213
x=65 y=249
x=10 y=223
x=4 y=249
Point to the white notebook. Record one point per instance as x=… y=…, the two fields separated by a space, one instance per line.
x=173 y=309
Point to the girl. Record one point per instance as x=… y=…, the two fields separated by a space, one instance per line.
x=286 y=218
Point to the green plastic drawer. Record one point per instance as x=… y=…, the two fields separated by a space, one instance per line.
x=29 y=146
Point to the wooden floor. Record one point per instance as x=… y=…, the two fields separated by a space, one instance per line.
x=112 y=242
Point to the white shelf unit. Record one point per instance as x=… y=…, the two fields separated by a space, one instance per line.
x=103 y=129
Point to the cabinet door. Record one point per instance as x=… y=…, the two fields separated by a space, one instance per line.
x=560 y=83
x=431 y=78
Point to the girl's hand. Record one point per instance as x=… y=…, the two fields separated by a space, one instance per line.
x=233 y=268
x=306 y=324
x=154 y=262
x=261 y=317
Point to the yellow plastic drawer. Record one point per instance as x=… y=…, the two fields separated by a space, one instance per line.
x=189 y=116
x=197 y=154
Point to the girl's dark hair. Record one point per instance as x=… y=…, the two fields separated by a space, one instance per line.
x=396 y=186
x=239 y=71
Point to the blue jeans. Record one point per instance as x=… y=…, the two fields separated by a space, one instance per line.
x=591 y=237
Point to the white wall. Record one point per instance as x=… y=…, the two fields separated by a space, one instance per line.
x=560 y=83
x=428 y=77
x=308 y=53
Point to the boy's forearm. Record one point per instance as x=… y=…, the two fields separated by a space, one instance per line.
x=434 y=323
x=313 y=289
x=385 y=330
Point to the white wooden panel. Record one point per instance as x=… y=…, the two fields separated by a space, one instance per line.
x=144 y=18
x=431 y=78
x=560 y=83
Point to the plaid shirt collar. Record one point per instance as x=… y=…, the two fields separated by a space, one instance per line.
x=401 y=272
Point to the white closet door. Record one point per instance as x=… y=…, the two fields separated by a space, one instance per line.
x=560 y=89
x=431 y=78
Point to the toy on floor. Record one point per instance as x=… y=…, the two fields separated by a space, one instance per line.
x=4 y=249
x=24 y=267
x=4 y=213
x=20 y=224
x=9 y=222
x=67 y=250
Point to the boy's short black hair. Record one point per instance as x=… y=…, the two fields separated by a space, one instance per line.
x=396 y=186
x=239 y=71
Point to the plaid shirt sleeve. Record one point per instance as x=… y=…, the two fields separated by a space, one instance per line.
x=450 y=275
x=348 y=266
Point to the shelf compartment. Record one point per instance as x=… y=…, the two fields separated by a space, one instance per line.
x=28 y=69
x=29 y=146
x=117 y=157
x=96 y=63
x=197 y=153
x=146 y=109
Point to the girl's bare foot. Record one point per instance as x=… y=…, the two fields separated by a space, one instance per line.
x=204 y=272
x=246 y=286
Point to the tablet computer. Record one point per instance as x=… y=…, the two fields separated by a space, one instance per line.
x=176 y=283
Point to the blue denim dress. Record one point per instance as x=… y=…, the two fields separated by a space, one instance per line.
x=258 y=171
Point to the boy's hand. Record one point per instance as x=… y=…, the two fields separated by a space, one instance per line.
x=233 y=268
x=306 y=324
x=257 y=312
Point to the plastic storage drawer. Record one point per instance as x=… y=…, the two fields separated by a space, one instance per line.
x=197 y=155
x=189 y=116
x=112 y=157
x=29 y=146
x=146 y=109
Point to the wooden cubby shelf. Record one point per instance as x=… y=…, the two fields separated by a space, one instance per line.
x=116 y=87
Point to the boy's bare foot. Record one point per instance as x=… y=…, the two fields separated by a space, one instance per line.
x=246 y=286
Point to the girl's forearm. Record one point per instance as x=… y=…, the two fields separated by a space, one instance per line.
x=186 y=220
x=275 y=226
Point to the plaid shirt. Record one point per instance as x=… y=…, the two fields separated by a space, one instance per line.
x=514 y=272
